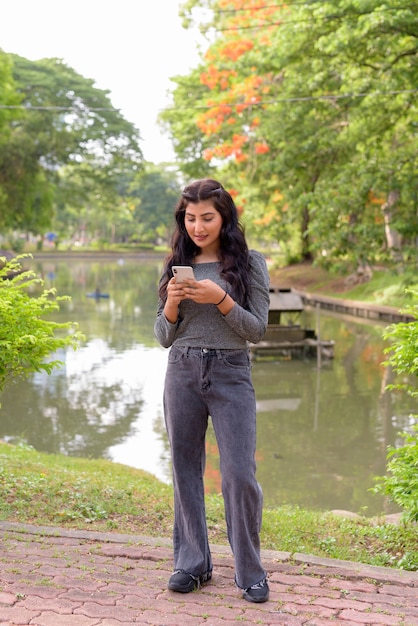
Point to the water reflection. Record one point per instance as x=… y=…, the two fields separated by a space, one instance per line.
x=322 y=433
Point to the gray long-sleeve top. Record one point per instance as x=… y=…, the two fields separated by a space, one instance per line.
x=204 y=326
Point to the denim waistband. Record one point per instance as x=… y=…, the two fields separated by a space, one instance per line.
x=209 y=351
x=206 y=351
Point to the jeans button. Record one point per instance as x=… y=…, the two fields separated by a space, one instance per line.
x=205 y=350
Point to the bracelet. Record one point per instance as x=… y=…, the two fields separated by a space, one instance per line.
x=220 y=301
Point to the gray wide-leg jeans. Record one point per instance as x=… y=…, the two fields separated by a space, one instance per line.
x=217 y=383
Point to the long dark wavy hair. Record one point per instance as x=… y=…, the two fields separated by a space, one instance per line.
x=233 y=253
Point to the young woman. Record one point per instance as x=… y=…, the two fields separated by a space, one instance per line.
x=208 y=322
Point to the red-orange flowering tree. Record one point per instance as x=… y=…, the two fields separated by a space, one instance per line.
x=308 y=109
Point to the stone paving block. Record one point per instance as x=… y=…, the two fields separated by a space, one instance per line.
x=322 y=591
x=105 y=597
x=57 y=605
x=140 y=590
x=166 y=605
x=215 y=609
x=7 y=599
x=21 y=590
x=358 y=617
x=395 y=601
x=294 y=579
x=401 y=591
x=285 y=619
x=401 y=611
x=93 y=609
x=157 y=618
x=342 y=603
x=52 y=619
x=308 y=610
x=77 y=581
x=318 y=621
x=351 y=585
x=18 y=615
x=303 y=598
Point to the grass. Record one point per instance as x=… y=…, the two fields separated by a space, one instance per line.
x=385 y=287
x=100 y=495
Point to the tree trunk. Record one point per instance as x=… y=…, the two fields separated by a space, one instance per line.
x=306 y=252
x=393 y=238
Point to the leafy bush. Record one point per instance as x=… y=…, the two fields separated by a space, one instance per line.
x=16 y=244
x=26 y=339
x=401 y=485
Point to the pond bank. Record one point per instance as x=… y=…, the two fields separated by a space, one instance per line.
x=328 y=290
x=377 y=312
x=96 y=254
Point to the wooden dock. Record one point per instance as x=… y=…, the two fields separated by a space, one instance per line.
x=305 y=348
x=367 y=310
x=285 y=338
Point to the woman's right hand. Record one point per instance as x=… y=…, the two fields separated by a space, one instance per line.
x=175 y=295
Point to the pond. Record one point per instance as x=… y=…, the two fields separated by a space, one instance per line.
x=322 y=432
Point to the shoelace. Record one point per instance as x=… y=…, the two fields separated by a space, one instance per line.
x=181 y=571
x=259 y=585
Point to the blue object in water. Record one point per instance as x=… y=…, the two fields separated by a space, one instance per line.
x=97 y=294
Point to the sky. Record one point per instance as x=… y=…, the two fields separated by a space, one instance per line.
x=129 y=47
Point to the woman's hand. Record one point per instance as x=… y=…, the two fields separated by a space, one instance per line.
x=175 y=294
x=202 y=291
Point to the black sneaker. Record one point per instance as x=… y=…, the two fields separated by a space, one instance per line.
x=184 y=582
x=258 y=592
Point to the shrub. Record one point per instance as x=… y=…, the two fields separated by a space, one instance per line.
x=26 y=338
x=401 y=484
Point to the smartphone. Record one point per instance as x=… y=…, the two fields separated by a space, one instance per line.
x=183 y=271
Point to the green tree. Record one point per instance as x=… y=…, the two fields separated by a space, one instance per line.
x=8 y=98
x=26 y=337
x=129 y=206
x=154 y=195
x=65 y=120
x=90 y=203
x=401 y=483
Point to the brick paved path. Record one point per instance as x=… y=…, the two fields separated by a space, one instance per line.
x=53 y=577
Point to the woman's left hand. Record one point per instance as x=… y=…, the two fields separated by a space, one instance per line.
x=203 y=291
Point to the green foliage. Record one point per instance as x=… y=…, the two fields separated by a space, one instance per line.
x=99 y=208
x=26 y=338
x=401 y=485
x=310 y=109
x=17 y=244
x=154 y=194
x=403 y=353
x=64 y=120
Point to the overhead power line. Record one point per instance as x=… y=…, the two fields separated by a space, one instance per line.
x=74 y=109
x=285 y=5
x=266 y=6
x=299 y=20
x=323 y=18
x=365 y=94
x=305 y=99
